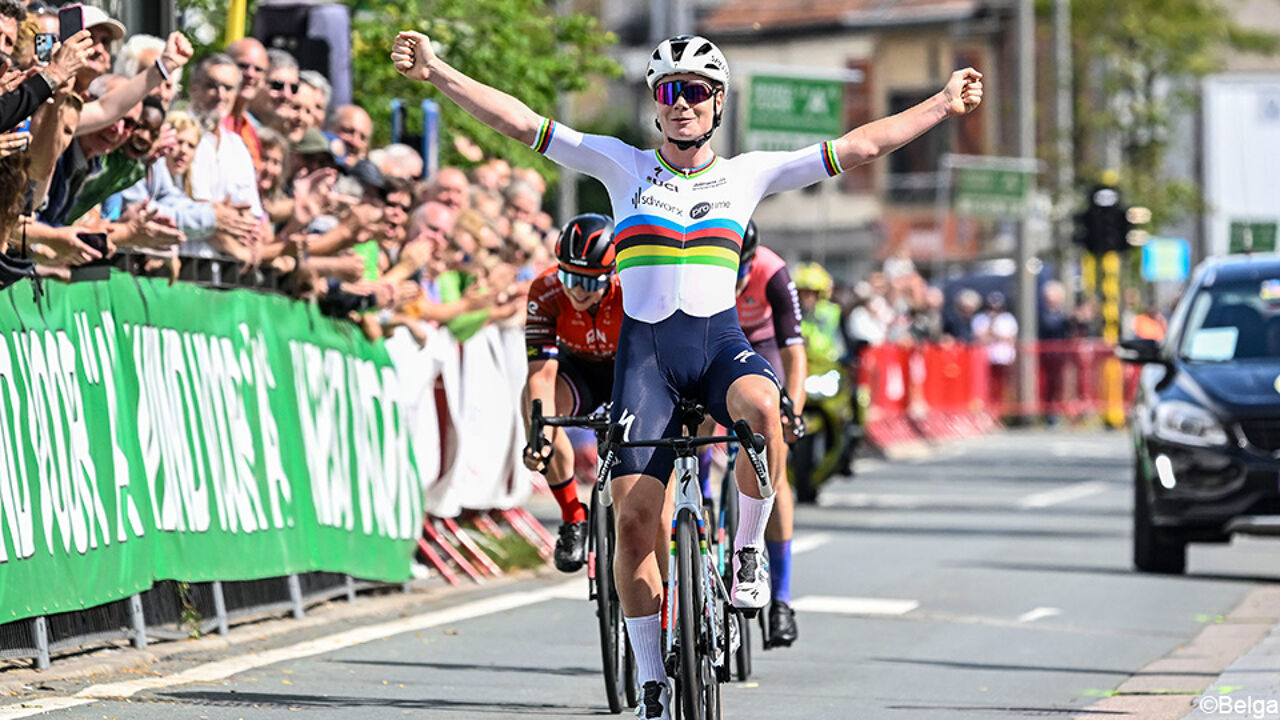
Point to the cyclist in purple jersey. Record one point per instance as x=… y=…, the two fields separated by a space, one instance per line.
x=680 y=213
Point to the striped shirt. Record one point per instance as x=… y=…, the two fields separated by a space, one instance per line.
x=678 y=232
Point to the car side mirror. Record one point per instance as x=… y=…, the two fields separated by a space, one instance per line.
x=1140 y=351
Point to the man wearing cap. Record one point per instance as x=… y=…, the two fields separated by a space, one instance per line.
x=223 y=168
x=251 y=58
x=314 y=151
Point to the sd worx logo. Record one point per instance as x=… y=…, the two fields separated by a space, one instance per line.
x=639 y=199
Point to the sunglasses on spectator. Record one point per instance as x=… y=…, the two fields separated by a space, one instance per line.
x=589 y=283
x=693 y=91
x=280 y=85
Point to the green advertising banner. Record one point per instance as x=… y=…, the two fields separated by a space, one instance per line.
x=787 y=113
x=152 y=432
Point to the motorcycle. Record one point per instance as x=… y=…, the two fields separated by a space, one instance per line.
x=832 y=431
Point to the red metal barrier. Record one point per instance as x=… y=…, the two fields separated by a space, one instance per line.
x=952 y=390
x=886 y=371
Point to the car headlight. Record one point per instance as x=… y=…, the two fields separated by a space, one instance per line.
x=1188 y=424
x=825 y=385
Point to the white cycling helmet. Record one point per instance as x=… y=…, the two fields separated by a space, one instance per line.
x=687 y=54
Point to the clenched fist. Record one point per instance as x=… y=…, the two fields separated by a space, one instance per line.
x=412 y=55
x=963 y=91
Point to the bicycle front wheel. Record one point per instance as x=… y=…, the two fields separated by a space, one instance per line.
x=613 y=640
x=729 y=523
x=696 y=675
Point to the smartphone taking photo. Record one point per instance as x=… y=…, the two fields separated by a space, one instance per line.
x=98 y=269
x=44 y=47
x=70 y=21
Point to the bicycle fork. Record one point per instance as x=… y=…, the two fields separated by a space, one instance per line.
x=689 y=497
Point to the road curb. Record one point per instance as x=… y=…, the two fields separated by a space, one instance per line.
x=1248 y=637
x=1250 y=687
x=119 y=657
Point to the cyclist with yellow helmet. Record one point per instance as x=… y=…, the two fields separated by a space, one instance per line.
x=819 y=317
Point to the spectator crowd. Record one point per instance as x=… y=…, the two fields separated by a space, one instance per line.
x=116 y=148
x=896 y=305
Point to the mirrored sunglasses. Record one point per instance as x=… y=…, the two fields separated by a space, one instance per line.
x=744 y=268
x=590 y=283
x=693 y=91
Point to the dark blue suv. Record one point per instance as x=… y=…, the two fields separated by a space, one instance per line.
x=1206 y=421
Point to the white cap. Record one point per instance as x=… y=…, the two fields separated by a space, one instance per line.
x=95 y=16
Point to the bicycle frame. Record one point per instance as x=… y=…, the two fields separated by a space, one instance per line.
x=689 y=498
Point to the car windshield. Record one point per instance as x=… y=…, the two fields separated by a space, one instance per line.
x=1235 y=321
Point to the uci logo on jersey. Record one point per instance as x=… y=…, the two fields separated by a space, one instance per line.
x=663 y=184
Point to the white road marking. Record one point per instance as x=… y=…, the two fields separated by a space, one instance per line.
x=575 y=589
x=872 y=500
x=806 y=543
x=853 y=605
x=1038 y=614
x=221 y=669
x=1062 y=495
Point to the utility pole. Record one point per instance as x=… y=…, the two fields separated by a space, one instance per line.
x=567 y=197
x=1028 y=309
x=1066 y=143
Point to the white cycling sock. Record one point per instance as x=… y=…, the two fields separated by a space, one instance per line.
x=646 y=642
x=753 y=517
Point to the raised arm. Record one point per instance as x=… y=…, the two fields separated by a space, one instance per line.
x=863 y=144
x=414 y=58
x=105 y=111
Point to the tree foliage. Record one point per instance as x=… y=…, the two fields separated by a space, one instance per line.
x=1137 y=64
x=519 y=46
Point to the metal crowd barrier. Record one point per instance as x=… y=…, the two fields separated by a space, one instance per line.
x=171 y=610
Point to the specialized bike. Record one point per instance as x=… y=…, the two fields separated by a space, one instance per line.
x=700 y=626
x=726 y=534
x=618 y=660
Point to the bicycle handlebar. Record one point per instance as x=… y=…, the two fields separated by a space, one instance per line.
x=788 y=408
x=750 y=442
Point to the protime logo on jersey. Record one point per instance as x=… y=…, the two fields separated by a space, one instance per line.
x=650 y=201
x=700 y=210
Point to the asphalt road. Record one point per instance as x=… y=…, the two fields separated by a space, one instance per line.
x=990 y=581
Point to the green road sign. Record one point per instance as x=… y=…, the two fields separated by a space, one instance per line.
x=1252 y=236
x=785 y=113
x=992 y=192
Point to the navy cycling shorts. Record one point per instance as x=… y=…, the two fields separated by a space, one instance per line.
x=660 y=363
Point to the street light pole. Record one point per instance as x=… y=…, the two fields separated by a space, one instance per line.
x=1066 y=142
x=1027 y=271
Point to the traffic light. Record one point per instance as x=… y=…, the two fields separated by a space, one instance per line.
x=1107 y=224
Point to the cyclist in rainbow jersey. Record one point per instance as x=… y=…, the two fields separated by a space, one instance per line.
x=680 y=213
